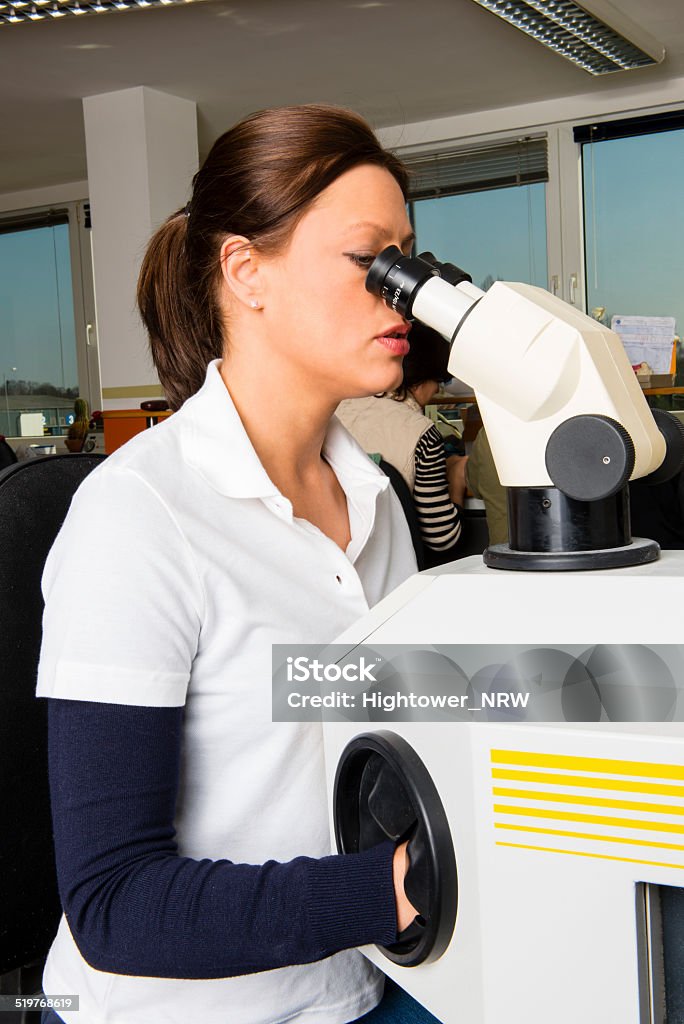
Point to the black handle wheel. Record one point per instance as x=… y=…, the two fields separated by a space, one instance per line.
x=384 y=791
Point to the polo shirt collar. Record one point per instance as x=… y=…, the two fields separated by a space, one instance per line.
x=361 y=481
x=354 y=469
x=214 y=442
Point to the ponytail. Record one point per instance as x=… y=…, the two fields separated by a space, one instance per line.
x=183 y=325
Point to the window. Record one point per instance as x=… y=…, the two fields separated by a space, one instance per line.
x=497 y=235
x=43 y=333
x=484 y=208
x=634 y=218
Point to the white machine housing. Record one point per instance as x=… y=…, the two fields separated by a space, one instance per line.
x=553 y=873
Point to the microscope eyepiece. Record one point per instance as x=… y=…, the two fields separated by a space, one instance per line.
x=449 y=272
x=397 y=278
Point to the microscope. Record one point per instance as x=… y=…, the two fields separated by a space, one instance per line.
x=567 y=421
x=546 y=850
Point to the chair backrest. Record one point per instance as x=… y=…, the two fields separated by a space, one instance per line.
x=403 y=492
x=34 y=499
x=7 y=454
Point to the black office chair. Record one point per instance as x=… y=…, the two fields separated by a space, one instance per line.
x=34 y=499
x=7 y=454
x=403 y=492
x=474 y=536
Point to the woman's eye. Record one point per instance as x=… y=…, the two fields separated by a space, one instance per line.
x=360 y=259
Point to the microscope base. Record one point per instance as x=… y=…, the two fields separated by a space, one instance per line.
x=640 y=551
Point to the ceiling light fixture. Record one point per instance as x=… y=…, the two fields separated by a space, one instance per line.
x=599 y=40
x=12 y=13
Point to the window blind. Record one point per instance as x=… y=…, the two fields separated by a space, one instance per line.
x=604 y=131
x=30 y=221
x=476 y=169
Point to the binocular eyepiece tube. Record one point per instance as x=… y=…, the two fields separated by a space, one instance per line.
x=421 y=288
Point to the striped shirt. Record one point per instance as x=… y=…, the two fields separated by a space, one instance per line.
x=440 y=523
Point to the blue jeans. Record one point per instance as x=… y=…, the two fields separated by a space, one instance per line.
x=396 y=1007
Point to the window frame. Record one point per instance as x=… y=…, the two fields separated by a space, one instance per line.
x=565 y=235
x=553 y=234
x=83 y=293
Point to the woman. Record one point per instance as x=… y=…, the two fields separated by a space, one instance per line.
x=191 y=832
x=395 y=426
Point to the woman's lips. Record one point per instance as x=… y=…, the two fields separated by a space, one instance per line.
x=398 y=346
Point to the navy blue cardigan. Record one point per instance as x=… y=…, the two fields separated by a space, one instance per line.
x=135 y=906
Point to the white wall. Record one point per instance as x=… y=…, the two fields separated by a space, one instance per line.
x=52 y=195
x=633 y=97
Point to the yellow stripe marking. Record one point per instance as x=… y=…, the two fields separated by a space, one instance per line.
x=589 y=835
x=588 y=764
x=593 y=801
x=598 y=856
x=584 y=782
x=592 y=819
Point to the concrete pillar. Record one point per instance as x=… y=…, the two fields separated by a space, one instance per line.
x=141 y=148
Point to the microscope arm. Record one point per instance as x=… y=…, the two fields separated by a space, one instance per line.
x=536 y=363
x=559 y=400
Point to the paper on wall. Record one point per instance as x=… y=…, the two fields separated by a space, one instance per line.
x=647 y=339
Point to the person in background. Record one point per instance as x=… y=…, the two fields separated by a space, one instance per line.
x=191 y=831
x=395 y=426
x=484 y=483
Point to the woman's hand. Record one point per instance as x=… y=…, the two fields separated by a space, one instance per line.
x=456 y=477
x=405 y=909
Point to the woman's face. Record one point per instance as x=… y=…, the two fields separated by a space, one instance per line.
x=322 y=324
x=425 y=392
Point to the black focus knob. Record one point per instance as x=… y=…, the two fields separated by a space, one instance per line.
x=589 y=457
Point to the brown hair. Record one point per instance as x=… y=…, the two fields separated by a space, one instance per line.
x=428 y=359
x=257 y=181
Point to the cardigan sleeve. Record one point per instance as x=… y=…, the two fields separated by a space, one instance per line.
x=135 y=906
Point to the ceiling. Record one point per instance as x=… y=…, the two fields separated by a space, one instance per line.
x=396 y=61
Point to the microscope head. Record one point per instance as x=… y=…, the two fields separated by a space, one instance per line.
x=567 y=421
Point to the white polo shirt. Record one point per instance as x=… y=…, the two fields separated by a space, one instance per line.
x=198 y=567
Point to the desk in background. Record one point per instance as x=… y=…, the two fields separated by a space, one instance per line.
x=447 y=399
x=120 y=425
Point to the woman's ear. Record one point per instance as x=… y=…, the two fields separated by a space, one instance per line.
x=240 y=269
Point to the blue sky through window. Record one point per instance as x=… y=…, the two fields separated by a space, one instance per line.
x=634 y=224
x=496 y=234
x=37 y=334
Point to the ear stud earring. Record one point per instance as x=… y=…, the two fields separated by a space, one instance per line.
x=255 y=304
